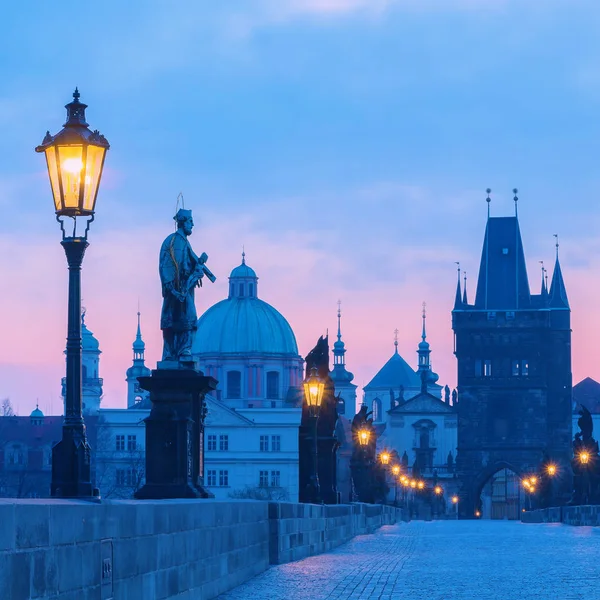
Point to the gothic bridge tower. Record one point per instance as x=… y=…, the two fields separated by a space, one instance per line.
x=514 y=369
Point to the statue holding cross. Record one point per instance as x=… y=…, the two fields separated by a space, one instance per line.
x=181 y=271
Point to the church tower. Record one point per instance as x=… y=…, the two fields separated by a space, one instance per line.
x=514 y=369
x=136 y=396
x=342 y=378
x=91 y=382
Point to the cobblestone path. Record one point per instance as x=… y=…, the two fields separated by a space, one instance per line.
x=444 y=560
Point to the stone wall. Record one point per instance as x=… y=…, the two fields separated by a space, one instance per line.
x=300 y=530
x=570 y=515
x=158 y=549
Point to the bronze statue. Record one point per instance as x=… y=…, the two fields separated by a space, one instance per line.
x=181 y=271
x=586 y=424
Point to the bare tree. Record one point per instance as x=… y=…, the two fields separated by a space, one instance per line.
x=118 y=473
x=261 y=493
x=6 y=409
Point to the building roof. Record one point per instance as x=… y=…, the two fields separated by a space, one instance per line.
x=587 y=392
x=425 y=403
x=244 y=324
x=502 y=282
x=395 y=373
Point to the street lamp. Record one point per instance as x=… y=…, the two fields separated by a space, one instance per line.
x=396 y=474
x=363 y=437
x=584 y=457
x=313 y=393
x=551 y=470
x=75 y=159
x=455 y=502
x=384 y=457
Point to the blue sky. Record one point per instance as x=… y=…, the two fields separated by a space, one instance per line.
x=346 y=143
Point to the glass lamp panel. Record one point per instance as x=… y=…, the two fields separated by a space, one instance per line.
x=307 y=394
x=93 y=172
x=321 y=388
x=53 y=174
x=71 y=169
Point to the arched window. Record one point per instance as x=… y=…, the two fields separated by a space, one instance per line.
x=376 y=410
x=83 y=372
x=341 y=406
x=241 y=289
x=234 y=384
x=272 y=384
x=251 y=290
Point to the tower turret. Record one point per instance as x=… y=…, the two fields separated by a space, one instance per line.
x=342 y=378
x=136 y=396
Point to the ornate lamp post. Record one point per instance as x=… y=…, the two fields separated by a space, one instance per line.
x=455 y=500
x=75 y=158
x=396 y=474
x=313 y=393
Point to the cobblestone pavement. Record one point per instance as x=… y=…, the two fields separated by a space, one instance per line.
x=444 y=560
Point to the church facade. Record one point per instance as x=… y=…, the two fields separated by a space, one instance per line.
x=514 y=373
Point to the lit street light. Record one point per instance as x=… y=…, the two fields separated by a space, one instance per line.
x=313 y=394
x=455 y=502
x=384 y=457
x=75 y=159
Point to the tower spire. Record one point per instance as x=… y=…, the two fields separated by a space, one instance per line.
x=339 y=315
x=139 y=346
x=544 y=291
x=465 y=288
x=424 y=333
x=458 y=296
x=488 y=191
x=558 y=291
x=396 y=341
x=516 y=199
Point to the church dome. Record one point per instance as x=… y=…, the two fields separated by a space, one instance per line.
x=243 y=323
x=37 y=413
x=88 y=341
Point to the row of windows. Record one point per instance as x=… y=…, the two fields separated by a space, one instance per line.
x=126 y=477
x=220 y=478
x=242 y=289
x=275 y=479
x=518 y=368
x=211 y=478
x=223 y=443
x=234 y=384
x=131 y=443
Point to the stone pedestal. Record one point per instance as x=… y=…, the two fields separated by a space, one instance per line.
x=175 y=432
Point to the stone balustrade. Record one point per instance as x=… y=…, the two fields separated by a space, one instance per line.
x=570 y=515
x=157 y=549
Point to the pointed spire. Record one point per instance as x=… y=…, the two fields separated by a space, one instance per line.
x=465 y=301
x=458 y=298
x=516 y=199
x=544 y=292
x=396 y=341
x=139 y=346
x=558 y=291
x=339 y=315
x=488 y=191
x=423 y=349
x=243 y=255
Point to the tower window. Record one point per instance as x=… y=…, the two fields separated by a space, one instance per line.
x=272 y=384
x=525 y=368
x=251 y=290
x=376 y=410
x=241 y=289
x=487 y=368
x=478 y=368
x=515 y=370
x=234 y=384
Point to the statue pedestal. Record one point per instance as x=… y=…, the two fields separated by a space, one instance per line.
x=175 y=432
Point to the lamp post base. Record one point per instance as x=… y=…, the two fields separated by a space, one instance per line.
x=71 y=472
